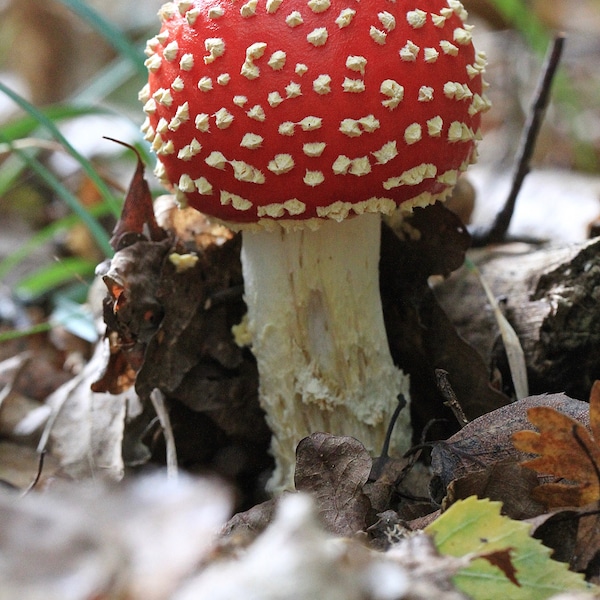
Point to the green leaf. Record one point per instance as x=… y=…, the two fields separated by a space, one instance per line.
x=474 y=526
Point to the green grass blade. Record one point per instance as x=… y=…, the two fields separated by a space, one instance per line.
x=49 y=125
x=48 y=278
x=43 y=236
x=97 y=231
x=14 y=334
x=110 y=33
x=26 y=125
x=106 y=81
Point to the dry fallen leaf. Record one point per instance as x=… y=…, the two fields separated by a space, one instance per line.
x=488 y=439
x=334 y=470
x=85 y=429
x=175 y=290
x=244 y=527
x=505 y=481
x=565 y=449
x=293 y=558
x=131 y=311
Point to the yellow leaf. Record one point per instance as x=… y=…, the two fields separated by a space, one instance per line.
x=476 y=527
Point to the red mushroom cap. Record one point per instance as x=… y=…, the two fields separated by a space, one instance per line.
x=295 y=109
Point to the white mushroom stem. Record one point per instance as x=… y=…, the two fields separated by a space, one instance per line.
x=317 y=330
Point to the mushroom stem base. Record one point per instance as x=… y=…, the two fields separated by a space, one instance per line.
x=316 y=322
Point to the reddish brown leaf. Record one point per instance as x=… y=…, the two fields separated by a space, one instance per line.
x=565 y=449
x=117 y=376
x=137 y=216
x=557 y=494
x=595 y=410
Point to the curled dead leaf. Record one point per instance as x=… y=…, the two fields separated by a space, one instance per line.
x=137 y=221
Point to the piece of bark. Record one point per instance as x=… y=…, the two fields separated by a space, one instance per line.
x=550 y=296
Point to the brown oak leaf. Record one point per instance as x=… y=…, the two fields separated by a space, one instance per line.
x=334 y=471
x=567 y=450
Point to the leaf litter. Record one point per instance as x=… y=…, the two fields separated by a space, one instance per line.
x=174 y=293
x=567 y=450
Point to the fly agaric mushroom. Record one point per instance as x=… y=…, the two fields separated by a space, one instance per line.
x=300 y=122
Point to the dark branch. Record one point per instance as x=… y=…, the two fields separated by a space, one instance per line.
x=497 y=232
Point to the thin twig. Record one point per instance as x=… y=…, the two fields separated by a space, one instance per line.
x=380 y=462
x=450 y=399
x=497 y=231
x=385 y=451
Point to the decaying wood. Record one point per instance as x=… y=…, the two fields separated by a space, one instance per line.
x=550 y=296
